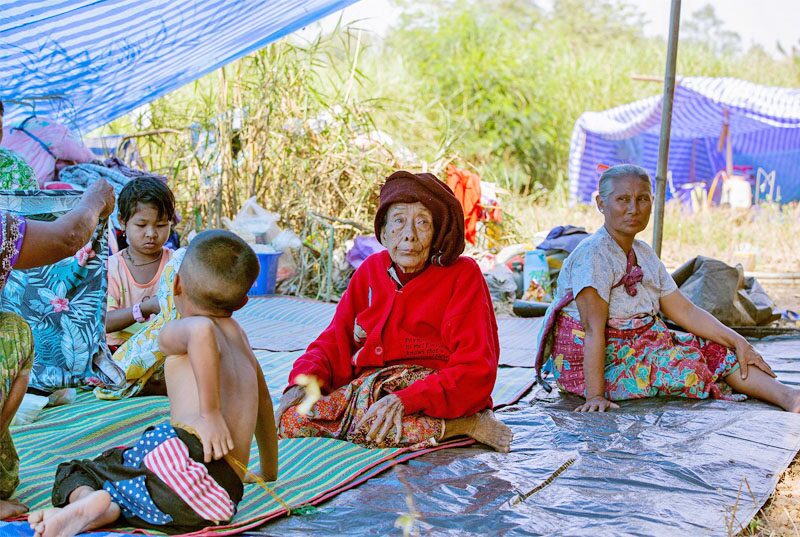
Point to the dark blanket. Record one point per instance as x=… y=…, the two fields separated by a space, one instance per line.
x=724 y=292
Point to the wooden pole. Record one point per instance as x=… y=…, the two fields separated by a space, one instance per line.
x=666 y=125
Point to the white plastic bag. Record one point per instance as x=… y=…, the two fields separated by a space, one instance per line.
x=29 y=409
x=254 y=223
x=64 y=396
x=502 y=286
x=286 y=240
x=259 y=227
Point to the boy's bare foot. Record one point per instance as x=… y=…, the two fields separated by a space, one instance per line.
x=487 y=429
x=37 y=518
x=11 y=508
x=89 y=512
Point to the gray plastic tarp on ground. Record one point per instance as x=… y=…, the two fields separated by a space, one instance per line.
x=654 y=467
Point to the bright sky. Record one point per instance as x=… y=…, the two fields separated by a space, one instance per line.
x=756 y=21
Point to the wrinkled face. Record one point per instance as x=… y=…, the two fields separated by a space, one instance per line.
x=627 y=210
x=145 y=231
x=407 y=234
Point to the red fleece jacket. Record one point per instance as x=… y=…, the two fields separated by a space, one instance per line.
x=442 y=319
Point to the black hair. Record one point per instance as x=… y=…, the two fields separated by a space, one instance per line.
x=149 y=191
x=218 y=270
x=2 y=109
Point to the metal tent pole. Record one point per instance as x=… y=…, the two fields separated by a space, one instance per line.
x=666 y=124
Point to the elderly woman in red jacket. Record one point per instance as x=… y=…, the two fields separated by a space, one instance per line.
x=410 y=357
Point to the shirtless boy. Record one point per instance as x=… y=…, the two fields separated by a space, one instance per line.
x=171 y=481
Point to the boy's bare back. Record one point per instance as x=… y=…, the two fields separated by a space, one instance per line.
x=216 y=391
x=217 y=353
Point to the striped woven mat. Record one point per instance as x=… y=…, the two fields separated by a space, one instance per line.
x=311 y=469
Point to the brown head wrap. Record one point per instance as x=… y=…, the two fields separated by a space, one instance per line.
x=436 y=196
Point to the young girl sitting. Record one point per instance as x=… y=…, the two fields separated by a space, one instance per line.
x=146 y=210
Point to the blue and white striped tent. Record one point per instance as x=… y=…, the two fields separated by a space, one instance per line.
x=764 y=123
x=87 y=62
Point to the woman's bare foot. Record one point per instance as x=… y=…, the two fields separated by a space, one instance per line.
x=792 y=401
x=11 y=508
x=90 y=512
x=487 y=429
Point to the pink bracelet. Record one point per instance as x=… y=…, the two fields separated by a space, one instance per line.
x=137 y=313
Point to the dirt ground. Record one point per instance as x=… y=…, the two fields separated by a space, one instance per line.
x=785 y=296
x=781 y=515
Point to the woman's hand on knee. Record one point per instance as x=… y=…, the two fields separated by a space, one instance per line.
x=290 y=397
x=597 y=404
x=387 y=416
x=748 y=356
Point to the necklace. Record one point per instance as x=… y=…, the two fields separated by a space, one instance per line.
x=128 y=255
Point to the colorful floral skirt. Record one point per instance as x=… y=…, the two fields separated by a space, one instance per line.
x=337 y=414
x=644 y=359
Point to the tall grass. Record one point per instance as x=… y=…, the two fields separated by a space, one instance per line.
x=494 y=85
x=263 y=127
x=510 y=79
x=284 y=125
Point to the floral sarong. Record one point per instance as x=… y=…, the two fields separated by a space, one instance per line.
x=337 y=414
x=644 y=358
x=16 y=358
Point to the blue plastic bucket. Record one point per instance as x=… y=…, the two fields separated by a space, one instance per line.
x=265 y=283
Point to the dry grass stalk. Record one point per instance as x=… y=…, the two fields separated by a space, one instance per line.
x=261 y=127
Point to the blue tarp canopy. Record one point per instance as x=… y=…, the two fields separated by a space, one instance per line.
x=764 y=124
x=92 y=61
